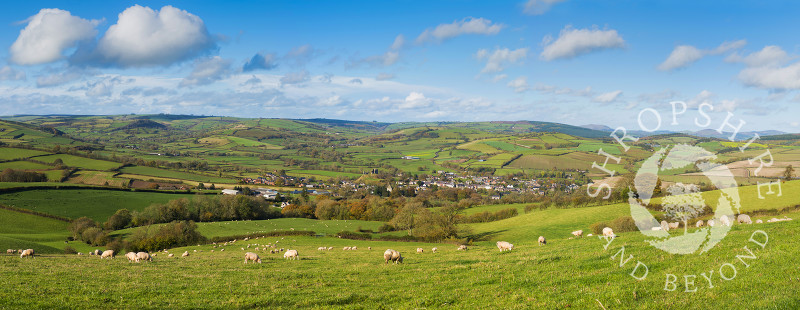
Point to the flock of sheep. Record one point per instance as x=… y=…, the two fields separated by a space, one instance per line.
x=395 y=256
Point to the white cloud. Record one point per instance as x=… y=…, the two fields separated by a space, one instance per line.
x=145 y=37
x=302 y=55
x=70 y=75
x=496 y=60
x=770 y=55
x=260 y=62
x=539 y=7
x=608 y=97
x=207 y=71
x=295 y=77
x=48 y=34
x=399 y=41
x=702 y=97
x=684 y=55
x=384 y=76
x=519 y=84
x=467 y=25
x=415 y=100
x=768 y=68
x=99 y=89
x=10 y=74
x=330 y=101
x=574 y=42
x=499 y=77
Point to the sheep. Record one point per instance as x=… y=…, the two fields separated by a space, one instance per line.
x=143 y=256
x=330 y=248
x=392 y=255
x=322 y=248
x=589 y=235
x=107 y=254
x=759 y=221
x=744 y=219
x=542 y=240
x=185 y=254
x=503 y=246
x=434 y=250
x=10 y=251
x=665 y=226
x=711 y=223
x=462 y=247
x=222 y=250
x=608 y=232
x=354 y=248
x=578 y=233
x=28 y=252
x=656 y=228
x=170 y=255
x=97 y=252
x=131 y=256
x=79 y=253
x=369 y=248
x=252 y=256
x=290 y=254
x=674 y=225
x=420 y=250
x=724 y=220
x=699 y=224
x=346 y=248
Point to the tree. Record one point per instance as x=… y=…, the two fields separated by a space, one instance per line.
x=684 y=203
x=121 y=219
x=787 y=174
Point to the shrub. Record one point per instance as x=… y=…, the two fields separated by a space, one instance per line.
x=70 y=250
x=175 y=234
x=353 y=235
x=386 y=228
x=11 y=175
x=619 y=225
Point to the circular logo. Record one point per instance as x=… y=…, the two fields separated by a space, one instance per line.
x=684 y=202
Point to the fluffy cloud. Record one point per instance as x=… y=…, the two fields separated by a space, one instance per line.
x=146 y=37
x=574 y=42
x=769 y=68
x=519 y=84
x=467 y=25
x=301 y=55
x=72 y=74
x=48 y=34
x=496 y=60
x=684 y=55
x=99 y=89
x=608 y=97
x=10 y=74
x=415 y=100
x=295 y=77
x=260 y=62
x=499 y=77
x=539 y=7
x=384 y=76
x=207 y=71
x=399 y=41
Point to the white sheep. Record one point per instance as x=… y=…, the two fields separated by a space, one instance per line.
x=725 y=220
x=322 y=248
x=759 y=221
x=170 y=255
x=434 y=250
x=674 y=225
x=185 y=254
x=25 y=253
x=608 y=232
x=291 y=254
x=131 y=256
x=369 y=248
x=711 y=223
x=462 y=247
x=420 y=250
x=10 y=251
x=542 y=240
x=699 y=224
x=143 y=256
x=252 y=256
x=744 y=219
x=392 y=255
x=578 y=233
x=107 y=254
x=504 y=246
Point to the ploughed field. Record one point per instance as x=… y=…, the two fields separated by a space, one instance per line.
x=565 y=273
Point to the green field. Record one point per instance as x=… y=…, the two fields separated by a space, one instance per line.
x=150 y=171
x=81 y=162
x=23 y=165
x=94 y=203
x=7 y=153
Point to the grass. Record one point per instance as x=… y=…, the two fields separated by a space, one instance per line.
x=150 y=171
x=7 y=153
x=23 y=165
x=23 y=231
x=74 y=203
x=81 y=162
x=218 y=229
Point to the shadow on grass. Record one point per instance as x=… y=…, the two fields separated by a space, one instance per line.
x=485 y=236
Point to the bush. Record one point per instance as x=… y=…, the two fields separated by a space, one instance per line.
x=353 y=235
x=175 y=234
x=619 y=225
x=11 y=175
x=484 y=217
x=386 y=228
x=70 y=250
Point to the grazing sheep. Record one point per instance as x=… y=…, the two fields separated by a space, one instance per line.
x=252 y=256
x=222 y=250
x=724 y=220
x=143 y=256
x=434 y=250
x=759 y=221
x=542 y=240
x=369 y=248
x=462 y=247
x=392 y=255
x=420 y=250
x=608 y=232
x=185 y=254
x=354 y=248
x=10 y=251
x=322 y=248
x=170 y=255
x=664 y=226
x=578 y=233
x=699 y=224
x=744 y=219
x=711 y=223
x=503 y=246
x=97 y=252
x=656 y=228
x=346 y=248
x=28 y=252
x=330 y=248
x=290 y=254
x=131 y=256
x=674 y=225
x=107 y=254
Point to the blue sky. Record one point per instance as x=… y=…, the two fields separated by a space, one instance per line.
x=575 y=62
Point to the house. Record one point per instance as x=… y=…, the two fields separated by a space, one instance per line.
x=230 y=192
